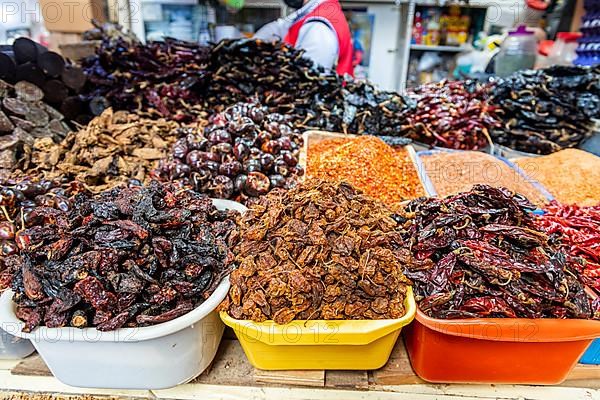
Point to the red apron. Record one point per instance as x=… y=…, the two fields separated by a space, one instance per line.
x=330 y=12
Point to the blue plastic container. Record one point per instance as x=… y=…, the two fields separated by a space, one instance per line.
x=592 y=354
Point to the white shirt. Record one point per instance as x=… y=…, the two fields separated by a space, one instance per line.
x=316 y=37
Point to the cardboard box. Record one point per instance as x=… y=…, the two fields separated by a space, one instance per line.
x=72 y=16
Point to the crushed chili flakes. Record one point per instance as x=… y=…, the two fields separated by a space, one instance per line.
x=456 y=172
x=570 y=175
x=367 y=163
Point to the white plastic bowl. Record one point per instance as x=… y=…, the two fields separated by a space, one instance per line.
x=14 y=348
x=153 y=357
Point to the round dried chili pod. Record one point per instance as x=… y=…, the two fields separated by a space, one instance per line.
x=7 y=197
x=277 y=181
x=297 y=170
x=240 y=183
x=212 y=166
x=252 y=165
x=257 y=184
x=62 y=203
x=272 y=146
x=219 y=136
x=231 y=168
x=285 y=143
x=221 y=148
x=200 y=178
x=255 y=152
x=256 y=114
x=281 y=167
x=266 y=161
x=289 y=158
x=273 y=128
x=262 y=137
x=222 y=187
x=241 y=151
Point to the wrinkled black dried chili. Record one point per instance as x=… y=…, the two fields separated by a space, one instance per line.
x=478 y=254
x=546 y=110
x=123 y=258
x=18 y=199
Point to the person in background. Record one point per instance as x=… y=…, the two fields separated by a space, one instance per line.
x=319 y=27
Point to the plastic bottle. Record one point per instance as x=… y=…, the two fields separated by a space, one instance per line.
x=518 y=52
x=563 y=52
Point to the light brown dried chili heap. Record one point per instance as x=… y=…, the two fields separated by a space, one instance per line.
x=318 y=251
x=369 y=164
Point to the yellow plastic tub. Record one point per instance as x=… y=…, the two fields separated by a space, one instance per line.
x=319 y=344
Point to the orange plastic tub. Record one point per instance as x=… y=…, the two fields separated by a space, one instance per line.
x=497 y=350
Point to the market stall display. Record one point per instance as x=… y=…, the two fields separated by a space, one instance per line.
x=122 y=228
x=192 y=338
x=243 y=152
x=368 y=164
x=320 y=251
x=455 y=172
x=570 y=175
x=547 y=110
x=128 y=257
x=478 y=255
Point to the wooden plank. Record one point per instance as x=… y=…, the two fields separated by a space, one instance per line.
x=55 y=396
x=230 y=367
x=584 y=376
x=398 y=370
x=291 y=378
x=31 y=366
x=347 y=379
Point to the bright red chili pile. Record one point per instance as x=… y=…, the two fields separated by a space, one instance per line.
x=578 y=229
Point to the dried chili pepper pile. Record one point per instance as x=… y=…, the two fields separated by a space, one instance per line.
x=478 y=254
x=116 y=148
x=455 y=115
x=577 y=230
x=180 y=80
x=368 y=164
x=123 y=258
x=318 y=251
x=158 y=78
x=546 y=110
x=244 y=152
x=18 y=199
x=23 y=118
